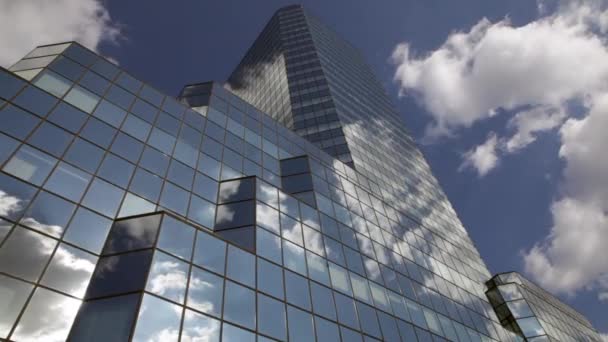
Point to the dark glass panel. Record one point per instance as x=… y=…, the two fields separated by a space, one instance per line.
x=120 y=274
x=235 y=215
x=132 y=234
x=237 y=190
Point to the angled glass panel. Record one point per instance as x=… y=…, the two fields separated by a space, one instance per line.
x=9 y=84
x=35 y=324
x=205 y=292
x=25 y=253
x=154 y=161
x=198 y=327
x=239 y=305
x=110 y=319
x=30 y=165
x=13 y=294
x=168 y=277
x=132 y=234
x=176 y=237
x=120 y=274
x=158 y=320
x=53 y=83
x=236 y=214
x=109 y=113
x=201 y=211
x=94 y=83
x=205 y=187
x=82 y=99
x=146 y=185
x=210 y=252
x=236 y=190
x=70 y=271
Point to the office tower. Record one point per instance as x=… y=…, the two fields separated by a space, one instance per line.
x=126 y=214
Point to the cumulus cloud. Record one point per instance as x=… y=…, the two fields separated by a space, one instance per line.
x=25 y=24
x=532 y=73
x=482 y=158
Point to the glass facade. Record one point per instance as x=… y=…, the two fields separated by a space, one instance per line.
x=128 y=215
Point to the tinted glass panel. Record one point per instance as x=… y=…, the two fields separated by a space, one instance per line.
x=271 y=317
x=13 y=294
x=205 y=292
x=132 y=234
x=239 y=305
x=120 y=274
x=168 y=277
x=157 y=318
x=176 y=237
x=25 y=253
x=210 y=252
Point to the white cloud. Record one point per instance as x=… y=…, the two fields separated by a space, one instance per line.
x=482 y=158
x=497 y=65
x=527 y=123
x=25 y=24
x=532 y=72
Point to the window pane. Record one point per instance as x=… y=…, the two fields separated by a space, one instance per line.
x=146 y=185
x=326 y=331
x=176 y=237
x=205 y=292
x=300 y=325
x=271 y=317
x=268 y=245
x=297 y=292
x=95 y=83
x=368 y=319
x=35 y=100
x=294 y=257
x=235 y=215
x=68 y=117
x=154 y=161
x=82 y=98
x=103 y=197
x=132 y=234
x=168 y=277
x=239 y=305
x=68 y=181
x=35 y=324
x=134 y=205
x=339 y=279
x=98 y=132
x=201 y=211
x=347 y=314
x=84 y=155
x=236 y=190
x=174 y=198
x=158 y=320
x=199 y=327
x=30 y=164
x=210 y=252
x=241 y=266
x=120 y=274
x=106 y=319
x=17 y=122
x=53 y=83
x=270 y=278
x=116 y=170
x=205 y=187
x=136 y=127
x=317 y=268
x=88 y=230
x=13 y=294
x=70 y=271
x=48 y=214
x=322 y=301
x=230 y=333
x=180 y=174
x=15 y=192
x=51 y=139
x=25 y=253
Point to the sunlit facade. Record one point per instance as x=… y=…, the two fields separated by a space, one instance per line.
x=126 y=214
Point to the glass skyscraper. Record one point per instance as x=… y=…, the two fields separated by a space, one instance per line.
x=289 y=204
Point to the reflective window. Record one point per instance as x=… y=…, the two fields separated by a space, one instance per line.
x=520 y=308
x=243 y=237
x=167 y=124
x=18 y=192
x=127 y=147
x=116 y=170
x=53 y=83
x=128 y=82
x=136 y=127
x=530 y=326
x=176 y=237
x=317 y=268
x=68 y=181
x=270 y=278
x=350 y=335
x=361 y=288
x=35 y=324
x=88 y=230
x=326 y=331
x=205 y=187
x=154 y=161
x=94 y=83
x=7 y=147
x=133 y=205
x=294 y=257
x=210 y=252
x=235 y=215
x=132 y=234
x=146 y=185
x=347 y=314
x=82 y=99
x=236 y=190
x=161 y=140
x=70 y=271
x=30 y=164
x=268 y=246
x=111 y=114
x=120 y=274
x=239 y=305
x=241 y=266
x=174 y=198
x=168 y=277
x=158 y=320
x=105 y=68
x=16 y=122
x=67 y=68
x=291 y=230
x=51 y=139
x=13 y=294
x=84 y=155
x=10 y=84
x=267 y=217
x=388 y=326
x=35 y=100
x=289 y=205
x=209 y=166
x=108 y=319
x=120 y=96
x=205 y=292
x=48 y=214
x=231 y=333
x=322 y=301
x=300 y=325
x=181 y=174
x=25 y=253
x=339 y=278
x=199 y=327
x=98 y=132
x=271 y=317
x=368 y=319
x=68 y=117
x=296 y=290
x=201 y=211
x=151 y=95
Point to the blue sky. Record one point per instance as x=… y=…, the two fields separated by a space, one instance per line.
x=492 y=134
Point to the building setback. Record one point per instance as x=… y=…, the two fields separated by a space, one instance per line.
x=289 y=204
